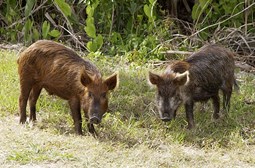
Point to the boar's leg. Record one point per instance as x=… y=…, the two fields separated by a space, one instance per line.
x=33 y=97
x=76 y=114
x=226 y=98
x=91 y=128
x=216 y=106
x=189 y=114
x=25 y=88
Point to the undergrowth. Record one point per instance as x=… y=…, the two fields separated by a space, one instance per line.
x=133 y=118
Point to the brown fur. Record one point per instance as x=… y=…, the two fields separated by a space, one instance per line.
x=60 y=71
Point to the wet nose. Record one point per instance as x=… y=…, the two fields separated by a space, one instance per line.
x=94 y=120
x=165 y=117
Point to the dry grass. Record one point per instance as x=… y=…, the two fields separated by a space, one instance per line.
x=131 y=134
x=26 y=146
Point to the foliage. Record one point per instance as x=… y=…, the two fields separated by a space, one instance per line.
x=136 y=28
x=221 y=14
x=117 y=26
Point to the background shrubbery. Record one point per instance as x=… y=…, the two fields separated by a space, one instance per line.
x=139 y=29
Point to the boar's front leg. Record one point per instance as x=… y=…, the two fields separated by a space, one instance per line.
x=91 y=128
x=189 y=113
x=75 y=107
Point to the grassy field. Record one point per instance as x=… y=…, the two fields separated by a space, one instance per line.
x=131 y=134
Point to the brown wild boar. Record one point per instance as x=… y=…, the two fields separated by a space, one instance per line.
x=198 y=78
x=60 y=71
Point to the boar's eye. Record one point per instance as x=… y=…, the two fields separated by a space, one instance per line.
x=103 y=95
x=160 y=92
x=90 y=94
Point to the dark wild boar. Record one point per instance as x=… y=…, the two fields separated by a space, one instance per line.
x=60 y=71
x=198 y=78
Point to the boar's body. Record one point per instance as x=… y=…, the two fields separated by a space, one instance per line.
x=60 y=71
x=56 y=68
x=198 y=78
x=210 y=69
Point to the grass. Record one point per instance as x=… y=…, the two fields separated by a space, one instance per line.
x=131 y=134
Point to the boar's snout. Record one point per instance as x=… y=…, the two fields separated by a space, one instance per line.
x=94 y=120
x=165 y=117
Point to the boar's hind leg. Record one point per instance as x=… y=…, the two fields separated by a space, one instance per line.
x=216 y=106
x=226 y=98
x=76 y=114
x=34 y=94
x=25 y=89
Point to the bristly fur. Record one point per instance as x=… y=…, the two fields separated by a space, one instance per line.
x=180 y=66
x=62 y=72
x=197 y=78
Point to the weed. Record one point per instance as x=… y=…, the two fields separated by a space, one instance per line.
x=131 y=133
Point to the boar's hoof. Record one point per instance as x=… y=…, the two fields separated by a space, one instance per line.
x=94 y=120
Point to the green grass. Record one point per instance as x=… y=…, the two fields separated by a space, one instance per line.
x=131 y=134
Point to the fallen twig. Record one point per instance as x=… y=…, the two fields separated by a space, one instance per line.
x=245 y=67
x=177 y=52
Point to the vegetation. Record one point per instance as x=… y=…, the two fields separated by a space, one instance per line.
x=131 y=134
x=132 y=37
x=140 y=30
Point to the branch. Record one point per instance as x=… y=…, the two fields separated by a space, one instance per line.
x=21 y=20
x=223 y=20
x=62 y=27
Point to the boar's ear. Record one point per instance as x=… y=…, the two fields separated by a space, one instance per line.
x=154 y=78
x=85 y=79
x=111 y=81
x=182 y=79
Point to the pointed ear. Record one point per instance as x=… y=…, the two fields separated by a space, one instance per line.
x=182 y=79
x=85 y=79
x=154 y=78
x=111 y=81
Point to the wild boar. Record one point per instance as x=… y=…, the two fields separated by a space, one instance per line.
x=60 y=71
x=197 y=78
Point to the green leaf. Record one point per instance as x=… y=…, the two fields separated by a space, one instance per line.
x=27 y=29
x=99 y=41
x=54 y=33
x=36 y=34
x=29 y=5
x=204 y=4
x=90 y=21
x=45 y=29
x=89 y=10
x=64 y=7
x=147 y=11
x=96 y=44
x=90 y=30
x=152 y=1
x=92 y=46
x=195 y=12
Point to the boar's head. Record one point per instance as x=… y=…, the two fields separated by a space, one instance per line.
x=95 y=99
x=168 y=92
